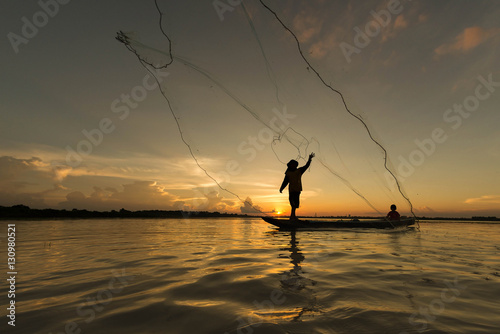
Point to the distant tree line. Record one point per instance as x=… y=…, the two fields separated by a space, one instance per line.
x=25 y=212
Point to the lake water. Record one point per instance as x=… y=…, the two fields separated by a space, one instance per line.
x=243 y=276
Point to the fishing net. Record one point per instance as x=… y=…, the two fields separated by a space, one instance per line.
x=246 y=98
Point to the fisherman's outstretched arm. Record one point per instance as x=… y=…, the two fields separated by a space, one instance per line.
x=306 y=166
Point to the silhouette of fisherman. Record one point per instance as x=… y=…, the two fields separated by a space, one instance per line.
x=293 y=178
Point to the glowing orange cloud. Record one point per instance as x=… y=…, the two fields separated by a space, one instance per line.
x=487 y=199
x=467 y=40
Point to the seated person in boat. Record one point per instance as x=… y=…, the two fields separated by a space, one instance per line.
x=393 y=214
x=293 y=178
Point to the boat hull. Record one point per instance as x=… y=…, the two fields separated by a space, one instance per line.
x=287 y=224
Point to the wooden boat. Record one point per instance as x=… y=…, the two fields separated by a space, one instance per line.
x=287 y=224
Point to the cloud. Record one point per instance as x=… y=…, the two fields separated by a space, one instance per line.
x=329 y=42
x=27 y=181
x=400 y=22
x=139 y=195
x=34 y=169
x=422 y=18
x=467 y=40
x=425 y=210
x=249 y=207
x=486 y=199
x=34 y=199
x=394 y=27
x=306 y=25
x=316 y=29
x=22 y=175
x=216 y=202
x=324 y=27
x=42 y=184
x=212 y=200
x=11 y=167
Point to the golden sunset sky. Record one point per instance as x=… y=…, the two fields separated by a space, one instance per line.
x=84 y=125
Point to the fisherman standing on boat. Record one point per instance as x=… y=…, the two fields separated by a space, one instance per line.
x=293 y=178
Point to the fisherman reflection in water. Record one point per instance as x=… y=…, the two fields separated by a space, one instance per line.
x=292 y=279
x=293 y=178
